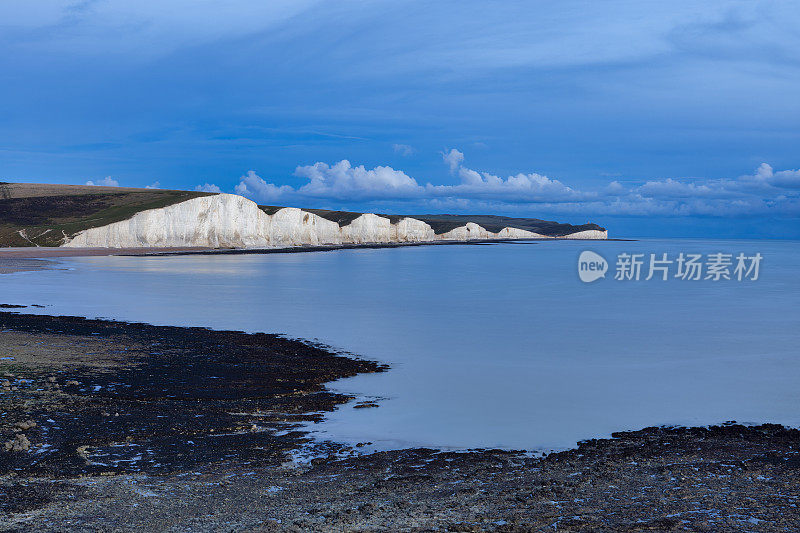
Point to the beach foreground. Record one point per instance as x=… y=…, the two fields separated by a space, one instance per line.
x=120 y=426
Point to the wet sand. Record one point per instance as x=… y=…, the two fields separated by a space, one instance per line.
x=33 y=258
x=11 y=265
x=41 y=252
x=44 y=252
x=135 y=427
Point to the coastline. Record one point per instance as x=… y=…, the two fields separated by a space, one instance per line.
x=45 y=252
x=24 y=259
x=238 y=398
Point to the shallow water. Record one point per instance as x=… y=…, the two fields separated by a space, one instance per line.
x=490 y=345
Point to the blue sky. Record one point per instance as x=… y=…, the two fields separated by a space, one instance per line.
x=651 y=118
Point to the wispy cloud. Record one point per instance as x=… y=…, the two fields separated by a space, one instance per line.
x=108 y=181
x=207 y=187
x=453 y=158
x=403 y=149
x=143 y=28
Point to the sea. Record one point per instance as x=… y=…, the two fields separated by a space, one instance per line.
x=490 y=345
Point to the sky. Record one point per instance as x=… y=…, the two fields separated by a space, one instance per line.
x=674 y=119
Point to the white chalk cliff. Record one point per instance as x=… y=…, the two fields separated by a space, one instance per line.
x=587 y=234
x=231 y=221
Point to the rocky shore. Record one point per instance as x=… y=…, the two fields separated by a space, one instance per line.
x=131 y=427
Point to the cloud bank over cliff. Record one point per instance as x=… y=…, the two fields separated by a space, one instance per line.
x=764 y=191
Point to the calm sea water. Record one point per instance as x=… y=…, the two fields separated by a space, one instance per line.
x=490 y=345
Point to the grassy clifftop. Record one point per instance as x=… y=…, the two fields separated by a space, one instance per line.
x=43 y=214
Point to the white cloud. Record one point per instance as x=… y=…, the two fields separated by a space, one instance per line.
x=340 y=181
x=521 y=187
x=763 y=172
x=108 y=181
x=453 y=158
x=615 y=187
x=343 y=181
x=763 y=192
x=671 y=188
x=403 y=149
x=253 y=186
x=789 y=179
x=467 y=175
x=763 y=183
x=207 y=187
x=154 y=185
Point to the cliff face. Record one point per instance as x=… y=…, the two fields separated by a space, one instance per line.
x=588 y=234
x=220 y=221
x=294 y=227
x=231 y=221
